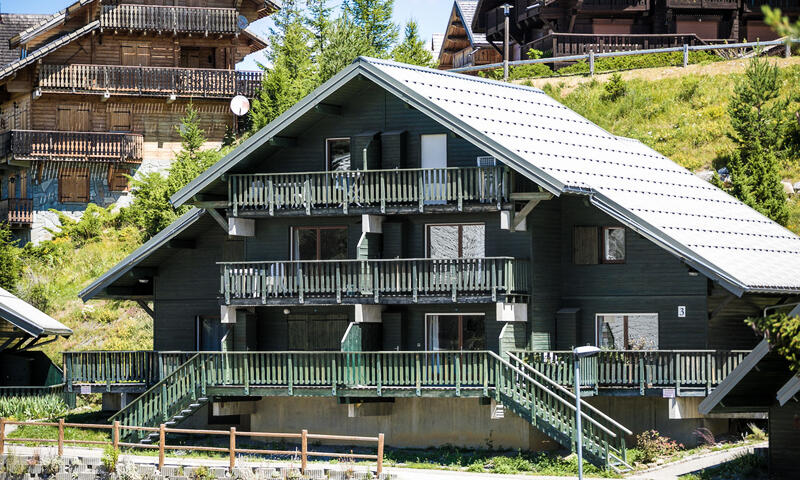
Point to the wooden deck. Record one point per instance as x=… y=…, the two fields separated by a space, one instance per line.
x=148 y=81
x=55 y=146
x=16 y=211
x=378 y=281
x=169 y=19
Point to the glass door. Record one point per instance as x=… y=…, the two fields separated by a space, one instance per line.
x=454 y=332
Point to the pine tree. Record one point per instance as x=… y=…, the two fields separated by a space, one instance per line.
x=759 y=120
x=775 y=19
x=413 y=50
x=375 y=17
x=318 y=21
x=347 y=41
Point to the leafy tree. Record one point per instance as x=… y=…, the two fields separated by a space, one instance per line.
x=347 y=41
x=413 y=50
x=783 y=334
x=375 y=17
x=10 y=264
x=758 y=118
x=775 y=19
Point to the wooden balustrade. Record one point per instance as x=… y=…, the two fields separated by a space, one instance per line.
x=723 y=4
x=152 y=81
x=412 y=189
x=565 y=44
x=786 y=6
x=616 y=5
x=639 y=369
x=43 y=145
x=111 y=367
x=16 y=211
x=157 y=18
x=373 y=281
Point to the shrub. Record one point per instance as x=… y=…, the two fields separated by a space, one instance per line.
x=652 y=445
x=10 y=264
x=202 y=473
x=52 y=465
x=32 y=408
x=110 y=459
x=615 y=88
x=89 y=227
x=15 y=468
x=690 y=87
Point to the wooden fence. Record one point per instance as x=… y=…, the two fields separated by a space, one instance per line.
x=158 y=18
x=373 y=280
x=45 y=145
x=414 y=187
x=143 y=81
x=16 y=210
x=118 y=430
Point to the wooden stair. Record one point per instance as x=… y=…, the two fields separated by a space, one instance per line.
x=187 y=412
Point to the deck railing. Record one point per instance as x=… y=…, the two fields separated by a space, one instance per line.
x=565 y=44
x=120 y=367
x=415 y=188
x=617 y=5
x=786 y=6
x=639 y=369
x=373 y=281
x=157 y=18
x=729 y=4
x=154 y=81
x=16 y=210
x=44 y=145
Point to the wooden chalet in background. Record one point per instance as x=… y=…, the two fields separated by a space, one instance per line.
x=571 y=27
x=94 y=93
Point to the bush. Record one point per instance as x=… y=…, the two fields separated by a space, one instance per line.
x=110 y=459
x=615 y=88
x=10 y=264
x=652 y=445
x=32 y=408
x=89 y=227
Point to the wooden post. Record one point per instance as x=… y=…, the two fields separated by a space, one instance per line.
x=162 y=436
x=380 y=453
x=303 y=451
x=232 y=450
x=115 y=435
x=3 y=435
x=685 y=55
x=788 y=52
x=591 y=63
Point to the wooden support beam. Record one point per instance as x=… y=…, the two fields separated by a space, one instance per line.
x=218 y=218
x=147 y=308
x=328 y=109
x=283 y=141
x=526 y=196
x=522 y=214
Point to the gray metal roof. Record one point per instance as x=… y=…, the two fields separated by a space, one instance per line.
x=46 y=49
x=142 y=253
x=566 y=153
x=466 y=9
x=28 y=318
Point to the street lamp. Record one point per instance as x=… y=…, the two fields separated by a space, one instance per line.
x=578 y=353
x=506 y=12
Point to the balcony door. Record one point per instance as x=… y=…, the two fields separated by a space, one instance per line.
x=434 y=156
x=319 y=243
x=448 y=331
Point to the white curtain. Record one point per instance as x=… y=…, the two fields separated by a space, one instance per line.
x=433 y=332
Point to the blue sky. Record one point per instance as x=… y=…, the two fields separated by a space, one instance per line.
x=430 y=14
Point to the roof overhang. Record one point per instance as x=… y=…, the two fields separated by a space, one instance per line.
x=28 y=318
x=53 y=21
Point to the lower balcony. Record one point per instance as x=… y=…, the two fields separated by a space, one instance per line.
x=58 y=146
x=16 y=211
x=566 y=44
x=378 y=281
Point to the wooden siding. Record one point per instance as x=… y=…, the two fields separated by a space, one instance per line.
x=784 y=437
x=546 y=245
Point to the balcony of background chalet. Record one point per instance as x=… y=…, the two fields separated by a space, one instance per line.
x=786 y=6
x=717 y=4
x=615 y=6
x=565 y=44
x=169 y=19
x=148 y=81
x=16 y=211
x=55 y=146
x=389 y=191
x=375 y=281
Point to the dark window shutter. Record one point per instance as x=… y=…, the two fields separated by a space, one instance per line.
x=585 y=248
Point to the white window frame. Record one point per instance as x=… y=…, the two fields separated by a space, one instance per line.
x=449 y=314
x=628 y=314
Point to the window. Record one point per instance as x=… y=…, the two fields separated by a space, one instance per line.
x=73 y=185
x=456 y=241
x=118 y=179
x=592 y=245
x=454 y=332
x=198 y=57
x=627 y=331
x=319 y=243
x=337 y=151
x=212 y=334
x=613 y=244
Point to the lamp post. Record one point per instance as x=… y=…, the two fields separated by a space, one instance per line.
x=578 y=354
x=506 y=12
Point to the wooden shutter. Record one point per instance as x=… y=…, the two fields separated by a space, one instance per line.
x=143 y=55
x=120 y=118
x=64 y=118
x=80 y=121
x=12 y=187
x=585 y=247
x=118 y=180
x=73 y=184
x=128 y=55
x=23 y=184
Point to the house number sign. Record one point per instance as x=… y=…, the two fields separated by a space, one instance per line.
x=682 y=311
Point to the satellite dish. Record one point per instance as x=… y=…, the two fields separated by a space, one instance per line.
x=242 y=22
x=240 y=105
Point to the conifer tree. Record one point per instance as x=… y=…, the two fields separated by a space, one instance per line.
x=412 y=50
x=319 y=22
x=347 y=41
x=375 y=18
x=781 y=24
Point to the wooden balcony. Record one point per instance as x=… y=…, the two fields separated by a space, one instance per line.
x=16 y=211
x=148 y=81
x=615 y=6
x=639 y=372
x=713 y=4
x=414 y=190
x=118 y=371
x=565 y=44
x=169 y=19
x=378 y=281
x=786 y=6
x=56 y=146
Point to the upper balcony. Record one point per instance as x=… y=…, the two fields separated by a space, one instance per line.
x=786 y=6
x=615 y=6
x=57 y=146
x=708 y=4
x=161 y=19
x=354 y=192
x=565 y=44
x=375 y=281
x=148 y=81
x=16 y=211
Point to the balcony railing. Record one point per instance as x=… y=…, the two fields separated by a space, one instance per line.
x=416 y=189
x=565 y=44
x=418 y=280
x=44 y=145
x=786 y=6
x=724 y=4
x=617 y=5
x=148 y=81
x=156 y=18
x=120 y=368
x=639 y=369
x=16 y=211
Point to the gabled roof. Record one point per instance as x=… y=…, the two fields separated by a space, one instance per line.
x=10 y=25
x=436 y=44
x=46 y=24
x=28 y=318
x=142 y=253
x=44 y=50
x=565 y=153
x=466 y=10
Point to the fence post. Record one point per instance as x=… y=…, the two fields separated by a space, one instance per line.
x=60 y=438
x=115 y=434
x=162 y=436
x=303 y=451
x=788 y=52
x=3 y=435
x=232 y=449
x=380 y=453
x=591 y=63
x=685 y=55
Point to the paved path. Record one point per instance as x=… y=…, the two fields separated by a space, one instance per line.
x=693 y=464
